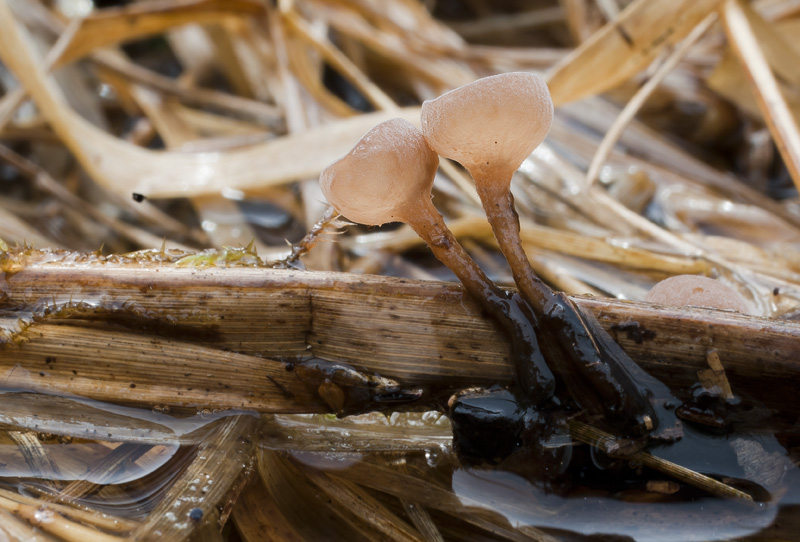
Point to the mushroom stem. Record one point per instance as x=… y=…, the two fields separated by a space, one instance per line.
x=387 y=177
x=491 y=126
x=606 y=377
x=498 y=204
x=533 y=374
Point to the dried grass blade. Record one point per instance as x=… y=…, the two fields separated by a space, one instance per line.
x=114 y=25
x=14 y=529
x=536 y=236
x=413 y=55
x=351 y=500
x=257 y=516
x=625 y=46
x=267 y=114
x=437 y=497
x=780 y=121
x=595 y=437
x=224 y=40
x=129 y=169
x=105 y=522
x=503 y=23
x=13 y=231
x=422 y=521
x=301 y=503
x=45 y=182
x=662 y=155
x=632 y=107
x=198 y=496
x=339 y=61
x=107 y=467
x=50 y=521
x=36 y=455
x=149 y=372
x=232 y=230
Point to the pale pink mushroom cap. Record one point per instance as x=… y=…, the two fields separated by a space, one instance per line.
x=492 y=124
x=384 y=177
x=697 y=291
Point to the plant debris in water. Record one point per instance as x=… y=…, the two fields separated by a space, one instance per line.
x=170 y=369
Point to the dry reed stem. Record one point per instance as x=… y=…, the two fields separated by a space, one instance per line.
x=302 y=504
x=36 y=456
x=106 y=522
x=84 y=419
x=437 y=496
x=120 y=367
x=104 y=470
x=776 y=113
x=421 y=333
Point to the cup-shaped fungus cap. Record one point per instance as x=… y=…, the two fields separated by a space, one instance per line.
x=697 y=291
x=384 y=177
x=492 y=124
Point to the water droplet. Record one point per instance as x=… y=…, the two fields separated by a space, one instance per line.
x=43 y=515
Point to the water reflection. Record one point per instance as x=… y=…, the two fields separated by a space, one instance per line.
x=524 y=504
x=140 y=454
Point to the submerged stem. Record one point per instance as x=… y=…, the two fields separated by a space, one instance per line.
x=595 y=373
x=509 y=311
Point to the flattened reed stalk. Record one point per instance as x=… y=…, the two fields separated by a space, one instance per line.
x=81 y=418
x=219 y=327
x=105 y=469
x=203 y=494
x=36 y=456
x=407 y=432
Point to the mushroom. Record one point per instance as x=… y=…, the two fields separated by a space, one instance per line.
x=491 y=126
x=697 y=291
x=387 y=177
